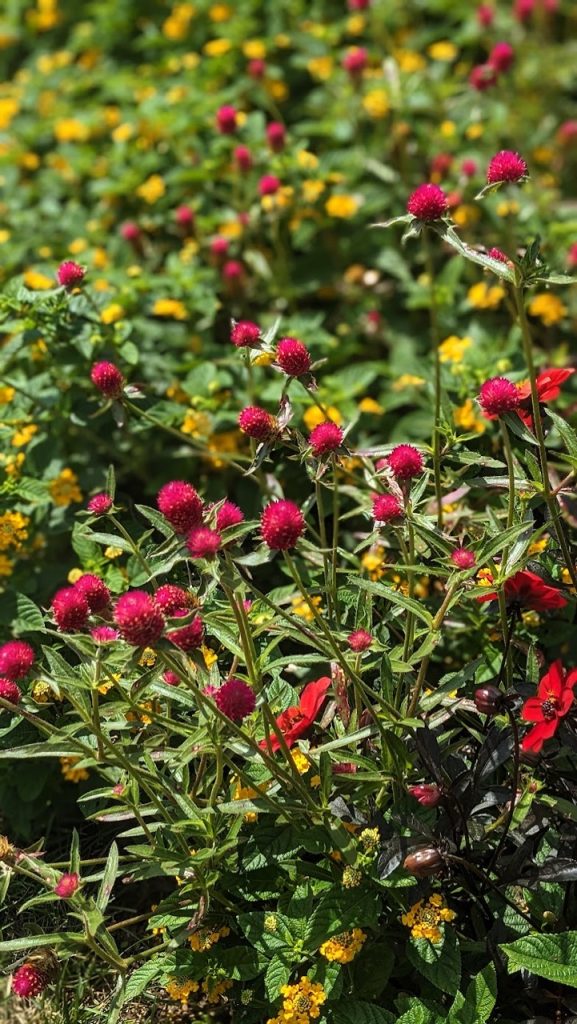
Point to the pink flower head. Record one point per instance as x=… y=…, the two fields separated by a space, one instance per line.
x=293 y=357
x=67 y=886
x=359 y=641
x=188 y=638
x=325 y=438
x=256 y=68
x=387 y=508
x=358 y=5
x=276 y=136
x=70 y=274
x=28 y=981
x=233 y=271
x=441 y=165
x=405 y=462
x=94 y=590
x=502 y=57
x=170 y=678
x=107 y=379
x=170 y=599
x=140 y=621
x=355 y=61
x=427 y=794
x=228 y=515
x=219 y=246
x=462 y=558
x=130 y=231
x=104 y=634
x=243 y=158
x=482 y=77
x=469 y=167
x=506 y=166
x=498 y=396
x=485 y=15
x=184 y=216
x=226 y=120
x=100 y=504
x=180 y=504
x=427 y=203
x=203 y=542
x=16 y=659
x=235 y=699
x=498 y=254
x=567 y=131
x=9 y=690
x=257 y=423
x=268 y=185
x=282 y=523
x=572 y=256
x=70 y=609
x=245 y=333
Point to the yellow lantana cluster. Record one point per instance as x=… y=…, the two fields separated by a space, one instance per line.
x=13 y=530
x=425 y=918
x=548 y=308
x=64 y=489
x=205 y=938
x=344 y=947
x=301 y=1003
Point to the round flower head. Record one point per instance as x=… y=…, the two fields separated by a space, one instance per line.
x=228 y=515
x=268 y=185
x=469 y=167
x=498 y=254
x=203 y=543
x=276 y=136
x=243 y=158
x=427 y=794
x=282 y=523
x=502 y=56
x=94 y=590
x=67 y=885
x=107 y=379
x=506 y=166
x=28 y=981
x=100 y=504
x=257 y=423
x=358 y=5
x=226 y=120
x=184 y=216
x=139 y=620
x=9 y=690
x=441 y=164
x=104 y=634
x=256 y=68
x=498 y=395
x=387 y=508
x=70 y=609
x=427 y=203
x=463 y=558
x=235 y=699
x=359 y=641
x=483 y=77
x=170 y=599
x=16 y=659
x=180 y=504
x=485 y=15
x=325 y=438
x=188 y=638
x=245 y=332
x=293 y=357
x=572 y=256
x=170 y=678
x=405 y=462
x=233 y=271
x=355 y=61
x=70 y=274
x=219 y=246
x=130 y=231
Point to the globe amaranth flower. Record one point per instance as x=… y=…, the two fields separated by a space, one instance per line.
x=555 y=698
x=70 y=609
x=498 y=254
x=244 y=332
x=506 y=166
x=104 y=634
x=233 y=271
x=67 y=885
x=203 y=542
x=282 y=523
x=325 y=438
x=269 y=185
x=359 y=641
x=228 y=515
x=130 y=231
x=387 y=508
x=184 y=216
x=469 y=167
x=9 y=690
x=170 y=599
x=138 y=618
x=502 y=57
x=483 y=77
x=16 y=659
x=226 y=119
x=70 y=274
x=296 y=720
x=462 y=558
x=107 y=379
x=219 y=246
x=527 y=590
x=100 y=504
x=498 y=396
x=94 y=590
x=180 y=504
x=428 y=203
x=257 y=423
x=276 y=136
x=427 y=794
x=235 y=699
x=256 y=68
x=28 y=981
x=485 y=15
x=170 y=678
x=189 y=637
x=293 y=357
x=405 y=462
x=243 y=158
x=355 y=61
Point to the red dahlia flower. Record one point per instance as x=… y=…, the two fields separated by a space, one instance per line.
x=554 y=699
x=297 y=719
x=548 y=388
x=527 y=590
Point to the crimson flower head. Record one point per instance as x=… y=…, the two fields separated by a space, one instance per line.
x=428 y=203
x=100 y=504
x=257 y=423
x=463 y=558
x=567 y=132
x=228 y=515
x=485 y=15
x=233 y=271
x=170 y=678
x=256 y=68
x=498 y=396
x=235 y=699
x=245 y=332
x=219 y=246
x=506 y=166
x=387 y=508
x=188 y=638
x=355 y=61
x=296 y=720
x=94 y=590
x=28 y=981
x=70 y=609
x=130 y=231
x=140 y=621
x=67 y=885
x=572 y=256
x=325 y=438
x=203 y=542
x=554 y=699
x=170 y=599
x=502 y=56
x=527 y=590
x=282 y=523
x=9 y=690
x=107 y=379
x=498 y=254
x=427 y=794
x=104 y=634
x=469 y=167
x=180 y=504
x=358 y=5
x=184 y=216
x=293 y=357
x=243 y=158
x=16 y=659
x=405 y=462
x=226 y=120
x=276 y=136
x=268 y=185
x=441 y=164
x=359 y=641
x=482 y=77
x=70 y=274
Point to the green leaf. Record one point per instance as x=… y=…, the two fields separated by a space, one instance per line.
x=553 y=957
x=566 y=433
x=156 y=519
x=438 y=962
x=448 y=234
x=395 y=597
x=56 y=939
x=418 y=1013
x=267 y=931
x=29 y=617
x=108 y=878
x=140 y=979
x=338 y=912
x=477 y=1006
x=354 y=1011
x=277 y=974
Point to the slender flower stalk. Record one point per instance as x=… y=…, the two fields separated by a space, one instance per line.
x=435 y=339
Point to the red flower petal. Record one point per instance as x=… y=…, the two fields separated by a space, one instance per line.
x=536 y=736
x=313 y=696
x=532 y=710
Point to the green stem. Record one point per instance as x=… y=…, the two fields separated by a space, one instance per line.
x=183 y=438
x=133 y=545
x=334 y=554
x=324 y=545
x=437 y=378
x=422 y=674
x=410 y=624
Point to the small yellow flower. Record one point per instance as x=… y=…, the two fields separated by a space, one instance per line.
x=147 y=658
x=485 y=296
x=426 y=918
x=548 y=308
x=64 y=489
x=370 y=406
x=373 y=563
x=112 y=313
x=475 y=130
x=123 y=132
x=152 y=189
x=203 y=939
x=376 y=103
x=23 y=436
x=70 y=773
x=409 y=61
x=69 y=129
x=342 y=206
x=181 y=990
x=465 y=215
x=343 y=948
x=465 y=417
x=300 y=761
x=301 y=1003
x=196 y=424
x=448 y=129
x=307 y=160
x=74 y=575
x=6 y=566
x=254 y=49
x=301 y=607
x=37 y=281
x=13 y=530
x=313 y=416
x=210 y=657
x=217 y=47
x=453 y=348
x=508 y=208
x=41 y=692
x=321 y=67
x=443 y=50
x=171 y=308
x=112 y=552
x=312 y=188
x=407 y=380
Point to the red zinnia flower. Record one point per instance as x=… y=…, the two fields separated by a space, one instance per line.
x=554 y=699
x=67 y=886
x=325 y=438
x=548 y=388
x=138 y=618
x=28 y=981
x=405 y=462
x=16 y=659
x=180 y=504
x=506 y=166
x=108 y=379
x=9 y=690
x=245 y=332
x=293 y=357
x=282 y=523
x=70 y=274
x=297 y=719
x=100 y=504
x=235 y=699
x=427 y=203
x=427 y=794
x=527 y=590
